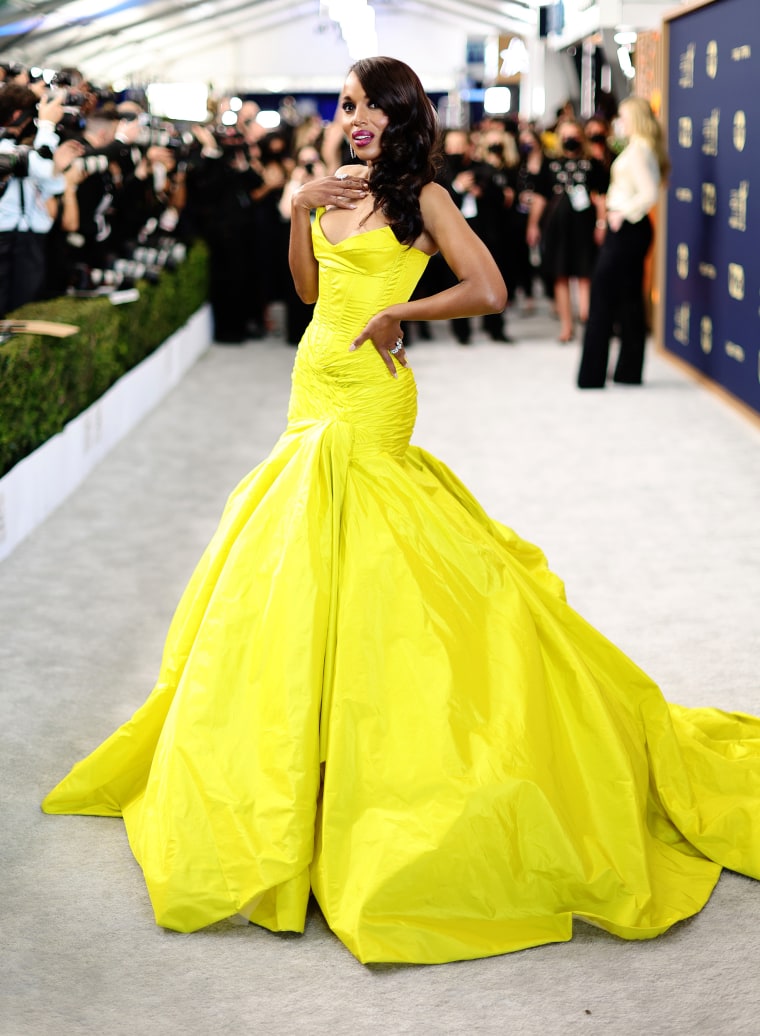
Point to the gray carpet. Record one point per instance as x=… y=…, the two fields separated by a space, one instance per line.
x=645 y=500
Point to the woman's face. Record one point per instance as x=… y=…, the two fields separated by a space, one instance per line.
x=595 y=133
x=362 y=120
x=308 y=156
x=492 y=144
x=570 y=139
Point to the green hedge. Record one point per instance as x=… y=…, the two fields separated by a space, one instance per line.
x=45 y=382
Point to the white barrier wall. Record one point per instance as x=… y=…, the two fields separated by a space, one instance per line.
x=39 y=483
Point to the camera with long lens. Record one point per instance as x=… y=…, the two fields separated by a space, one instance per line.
x=144 y=259
x=12 y=70
x=93 y=163
x=157 y=132
x=14 y=163
x=230 y=140
x=73 y=100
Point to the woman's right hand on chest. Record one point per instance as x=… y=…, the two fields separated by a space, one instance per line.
x=340 y=192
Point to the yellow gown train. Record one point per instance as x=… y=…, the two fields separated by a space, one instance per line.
x=373 y=691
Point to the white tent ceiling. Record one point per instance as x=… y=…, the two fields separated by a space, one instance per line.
x=275 y=44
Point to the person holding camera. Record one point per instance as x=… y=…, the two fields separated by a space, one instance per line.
x=143 y=170
x=31 y=164
x=478 y=195
x=222 y=182
x=90 y=244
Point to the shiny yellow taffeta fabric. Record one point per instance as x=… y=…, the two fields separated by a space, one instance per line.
x=372 y=690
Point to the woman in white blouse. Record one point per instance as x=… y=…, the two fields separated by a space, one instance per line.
x=617 y=286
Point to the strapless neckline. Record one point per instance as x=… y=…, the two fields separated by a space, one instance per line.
x=351 y=237
x=360 y=234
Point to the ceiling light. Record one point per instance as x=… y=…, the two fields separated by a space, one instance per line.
x=624 y=57
x=625 y=37
x=497 y=100
x=514 y=58
x=268 y=119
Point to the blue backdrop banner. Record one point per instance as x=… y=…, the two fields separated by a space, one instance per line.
x=712 y=271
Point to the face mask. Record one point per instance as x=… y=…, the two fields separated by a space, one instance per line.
x=496 y=149
x=525 y=148
x=572 y=144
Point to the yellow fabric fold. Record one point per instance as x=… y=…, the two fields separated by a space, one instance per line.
x=373 y=691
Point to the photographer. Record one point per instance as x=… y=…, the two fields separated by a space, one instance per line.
x=479 y=196
x=222 y=184
x=144 y=172
x=90 y=244
x=31 y=164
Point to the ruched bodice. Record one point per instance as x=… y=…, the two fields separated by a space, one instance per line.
x=374 y=692
x=358 y=277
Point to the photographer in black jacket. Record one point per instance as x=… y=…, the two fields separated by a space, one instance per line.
x=223 y=183
x=480 y=198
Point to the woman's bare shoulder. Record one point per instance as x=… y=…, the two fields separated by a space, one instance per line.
x=437 y=208
x=433 y=195
x=352 y=170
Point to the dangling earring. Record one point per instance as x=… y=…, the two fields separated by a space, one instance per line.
x=351 y=149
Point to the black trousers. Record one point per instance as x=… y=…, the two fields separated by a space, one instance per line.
x=229 y=288
x=22 y=268
x=617 y=299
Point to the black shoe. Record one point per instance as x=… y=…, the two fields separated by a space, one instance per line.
x=499 y=336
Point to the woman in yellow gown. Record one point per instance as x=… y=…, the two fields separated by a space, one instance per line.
x=374 y=692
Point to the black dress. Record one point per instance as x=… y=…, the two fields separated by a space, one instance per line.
x=527 y=183
x=569 y=246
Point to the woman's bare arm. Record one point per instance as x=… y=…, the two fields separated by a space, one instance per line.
x=342 y=192
x=480 y=288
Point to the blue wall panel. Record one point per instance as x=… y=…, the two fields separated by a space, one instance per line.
x=712 y=267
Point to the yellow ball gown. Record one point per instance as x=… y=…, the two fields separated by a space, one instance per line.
x=374 y=692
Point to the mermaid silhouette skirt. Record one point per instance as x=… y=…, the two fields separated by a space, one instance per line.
x=372 y=691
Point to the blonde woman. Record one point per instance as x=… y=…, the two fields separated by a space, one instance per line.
x=617 y=287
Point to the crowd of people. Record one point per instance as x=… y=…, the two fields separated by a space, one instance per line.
x=91 y=191
x=103 y=186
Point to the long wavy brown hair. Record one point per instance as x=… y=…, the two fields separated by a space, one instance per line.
x=410 y=147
